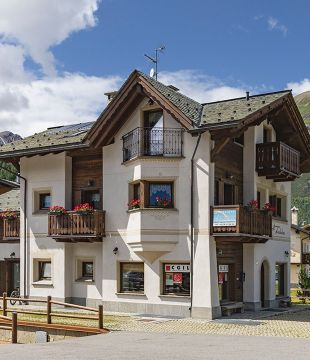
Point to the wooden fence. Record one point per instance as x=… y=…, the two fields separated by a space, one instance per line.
x=50 y=314
x=10 y=324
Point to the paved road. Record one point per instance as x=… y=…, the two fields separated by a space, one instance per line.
x=136 y=346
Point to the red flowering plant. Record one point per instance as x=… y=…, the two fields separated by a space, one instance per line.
x=57 y=210
x=9 y=214
x=269 y=208
x=253 y=205
x=83 y=209
x=134 y=204
x=163 y=202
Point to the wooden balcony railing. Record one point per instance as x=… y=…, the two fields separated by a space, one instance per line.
x=73 y=226
x=277 y=161
x=10 y=228
x=239 y=220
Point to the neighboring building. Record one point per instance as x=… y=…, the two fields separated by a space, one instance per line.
x=9 y=237
x=300 y=248
x=189 y=244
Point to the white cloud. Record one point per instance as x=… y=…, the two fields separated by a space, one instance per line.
x=299 y=87
x=38 y=25
x=200 y=87
x=274 y=24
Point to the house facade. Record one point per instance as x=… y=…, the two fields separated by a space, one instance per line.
x=191 y=202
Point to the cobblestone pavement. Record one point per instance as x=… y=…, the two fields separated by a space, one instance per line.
x=295 y=324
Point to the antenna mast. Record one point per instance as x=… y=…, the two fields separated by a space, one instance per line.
x=155 y=60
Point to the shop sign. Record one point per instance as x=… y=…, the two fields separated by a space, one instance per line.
x=224 y=217
x=176 y=268
x=223 y=268
x=177 y=278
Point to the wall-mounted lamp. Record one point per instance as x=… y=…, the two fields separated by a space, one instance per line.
x=229 y=175
x=286 y=253
x=90 y=183
x=12 y=255
x=219 y=252
x=115 y=250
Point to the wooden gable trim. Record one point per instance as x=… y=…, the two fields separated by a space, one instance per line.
x=132 y=92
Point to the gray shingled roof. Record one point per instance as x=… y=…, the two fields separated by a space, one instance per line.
x=10 y=200
x=61 y=136
x=237 y=109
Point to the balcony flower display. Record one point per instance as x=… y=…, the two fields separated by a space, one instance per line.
x=252 y=205
x=269 y=208
x=163 y=202
x=9 y=214
x=83 y=209
x=57 y=210
x=134 y=204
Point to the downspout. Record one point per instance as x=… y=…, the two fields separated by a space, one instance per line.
x=25 y=226
x=192 y=248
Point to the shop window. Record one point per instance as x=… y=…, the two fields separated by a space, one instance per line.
x=132 y=277
x=176 y=279
x=45 y=270
x=280 y=275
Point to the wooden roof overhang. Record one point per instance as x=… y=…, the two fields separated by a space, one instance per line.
x=134 y=90
x=241 y=238
x=284 y=116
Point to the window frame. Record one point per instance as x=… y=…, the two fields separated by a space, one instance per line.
x=84 y=273
x=41 y=269
x=163 y=277
x=280 y=285
x=280 y=211
x=121 y=279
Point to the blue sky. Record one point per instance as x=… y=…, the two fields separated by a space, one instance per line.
x=230 y=40
x=59 y=57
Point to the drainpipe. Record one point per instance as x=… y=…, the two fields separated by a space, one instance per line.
x=25 y=226
x=192 y=248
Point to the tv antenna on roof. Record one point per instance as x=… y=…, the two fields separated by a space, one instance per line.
x=154 y=73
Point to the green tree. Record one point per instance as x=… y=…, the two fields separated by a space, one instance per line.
x=5 y=174
x=303 y=279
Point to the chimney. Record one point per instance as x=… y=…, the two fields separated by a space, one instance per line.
x=247 y=95
x=294 y=215
x=111 y=95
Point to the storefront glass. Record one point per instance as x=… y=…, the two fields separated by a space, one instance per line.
x=176 y=279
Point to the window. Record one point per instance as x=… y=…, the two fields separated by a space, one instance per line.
x=267 y=135
x=280 y=279
x=92 y=197
x=132 y=277
x=229 y=194
x=45 y=201
x=176 y=279
x=279 y=205
x=45 y=270
x=87 y=270
x=160 y=195
x=153 y=132
x=136 y=191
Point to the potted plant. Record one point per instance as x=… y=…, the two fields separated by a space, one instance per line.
x=269 y=208
x=163 y=202
x=83 y=209
x=252 y=205
x=134 y=204
x=9 y=214
x=57 y=210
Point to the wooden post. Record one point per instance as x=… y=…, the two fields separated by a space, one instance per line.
x=49 y=310
x=14 y=327
x=100 y=316
x=4 y=304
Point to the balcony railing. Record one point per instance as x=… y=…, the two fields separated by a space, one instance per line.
x=10 y=229
x=73 y=226
x=153 y=142
x=238 y=220
x=277 y=161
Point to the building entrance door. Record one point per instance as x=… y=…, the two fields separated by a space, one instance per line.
x=226 y=275
x=12 y=275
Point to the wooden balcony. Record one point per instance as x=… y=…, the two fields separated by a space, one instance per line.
x=277 y=161
x=75 y=227
x=237 y=223
x=10 y=230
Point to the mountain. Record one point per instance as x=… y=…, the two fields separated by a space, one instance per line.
x=7 y=137
x=303 y=102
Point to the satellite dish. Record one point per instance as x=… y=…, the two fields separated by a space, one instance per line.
x=152 y=73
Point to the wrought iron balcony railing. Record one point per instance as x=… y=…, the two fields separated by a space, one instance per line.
x=153 y=142
x=277 y=161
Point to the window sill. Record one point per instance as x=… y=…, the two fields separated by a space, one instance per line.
x=151 y=209
x=130 y=294
x=43 y=283
x=186 y=297
x=87 y=281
